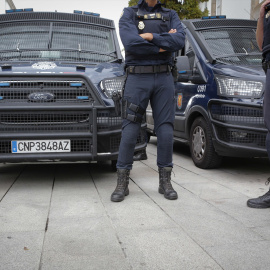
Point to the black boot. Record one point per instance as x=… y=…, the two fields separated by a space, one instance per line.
x=165 y=186
x=260 y=202
x=121 y=189
x=140 y=155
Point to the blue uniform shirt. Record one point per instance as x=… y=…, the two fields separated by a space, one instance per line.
x=137 y=46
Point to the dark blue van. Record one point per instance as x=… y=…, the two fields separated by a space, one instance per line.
x=60 y=79
x=219 y=93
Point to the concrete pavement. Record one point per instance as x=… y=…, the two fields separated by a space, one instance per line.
x=59 y=216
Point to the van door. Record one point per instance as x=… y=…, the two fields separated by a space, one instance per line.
x=186 y=88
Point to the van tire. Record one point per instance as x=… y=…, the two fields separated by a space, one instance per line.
x=201 y=147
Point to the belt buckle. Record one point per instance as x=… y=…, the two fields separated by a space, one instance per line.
x=131 y=69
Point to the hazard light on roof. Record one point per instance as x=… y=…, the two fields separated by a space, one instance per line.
x=214 y=17
x=19 y=10
x=86 y=13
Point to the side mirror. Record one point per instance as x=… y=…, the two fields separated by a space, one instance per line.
x=183 y=68
x=184 y=76
x=185 y=73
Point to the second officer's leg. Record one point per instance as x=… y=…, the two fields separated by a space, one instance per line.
x=264 y=200
x=266 y=110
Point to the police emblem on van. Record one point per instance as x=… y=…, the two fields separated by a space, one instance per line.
x=179 y=101
x=41 y=97
x=44 y=65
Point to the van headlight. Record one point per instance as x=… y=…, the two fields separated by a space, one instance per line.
x=110 y=85
x=235 y=87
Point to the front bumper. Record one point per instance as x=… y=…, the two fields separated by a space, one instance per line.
x=95 y=132
x=76 y=113
x=238 y=128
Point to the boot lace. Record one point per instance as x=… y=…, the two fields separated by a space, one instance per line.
x=122 y=182
x=167 y=182
x=169 y=185
x=267 y=182
x=121 y=185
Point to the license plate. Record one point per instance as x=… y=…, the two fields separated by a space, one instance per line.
x=41 y=146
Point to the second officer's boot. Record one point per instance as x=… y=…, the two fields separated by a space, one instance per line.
x=165 y=185
x=262 y=201
x=121 y=189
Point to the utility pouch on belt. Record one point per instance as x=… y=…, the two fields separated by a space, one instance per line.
x=117 y=99
x=117 y=103
x=265 y=65
x=175 y=73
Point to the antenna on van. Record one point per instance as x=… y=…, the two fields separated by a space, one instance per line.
x=249 y=14
x=11 y=4
x=245 y=51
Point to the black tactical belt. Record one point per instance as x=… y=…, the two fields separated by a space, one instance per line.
x=148 y=69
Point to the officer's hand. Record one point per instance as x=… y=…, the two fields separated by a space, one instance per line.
x=262 y=9
x=147 y=36
x=174 y=30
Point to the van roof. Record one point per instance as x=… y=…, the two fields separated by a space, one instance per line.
x=202 y=24
x=56 y=16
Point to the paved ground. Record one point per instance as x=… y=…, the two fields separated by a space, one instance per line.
x=61 y=217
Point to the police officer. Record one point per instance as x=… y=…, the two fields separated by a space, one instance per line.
x=263 y=40
x=150 y=34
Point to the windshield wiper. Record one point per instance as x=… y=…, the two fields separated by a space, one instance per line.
x=79 y=55
x=18 y=49
x=85 y=51
x=237 y=54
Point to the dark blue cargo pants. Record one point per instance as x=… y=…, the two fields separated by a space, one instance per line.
x=266 y=110
x=159 y=89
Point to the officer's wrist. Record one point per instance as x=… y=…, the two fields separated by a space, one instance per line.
x=150 y=37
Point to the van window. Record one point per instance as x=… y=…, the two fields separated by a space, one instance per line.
x=189 y=52
x=233 y=46
x=56 y=41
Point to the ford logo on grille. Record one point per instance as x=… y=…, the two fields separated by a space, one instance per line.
x=41 y=97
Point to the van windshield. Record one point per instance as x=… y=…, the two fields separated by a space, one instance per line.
x=57 y=41
x=233 y=45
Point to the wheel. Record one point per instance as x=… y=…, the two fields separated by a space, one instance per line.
x=201 y=147
x=113 y=165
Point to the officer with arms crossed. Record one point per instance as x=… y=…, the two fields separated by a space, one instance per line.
x=149 y=33
x=263 y=40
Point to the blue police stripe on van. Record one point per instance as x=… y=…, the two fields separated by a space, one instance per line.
x=14 y=147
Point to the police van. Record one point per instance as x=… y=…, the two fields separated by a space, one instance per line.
x=59 y=76
x=219 y=91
